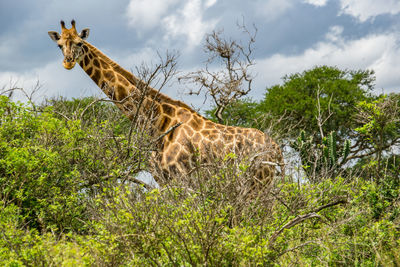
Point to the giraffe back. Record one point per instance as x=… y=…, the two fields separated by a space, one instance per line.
x=200 y=141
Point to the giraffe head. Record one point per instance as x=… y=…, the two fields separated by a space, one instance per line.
x=70 y=43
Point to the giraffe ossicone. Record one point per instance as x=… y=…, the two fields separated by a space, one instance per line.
x=187 y=137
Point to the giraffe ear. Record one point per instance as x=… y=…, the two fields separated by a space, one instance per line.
x=84 y=34
x=55 y=36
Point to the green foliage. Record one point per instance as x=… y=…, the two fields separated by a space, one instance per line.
x=35 y=174
x=241 y=113
x=296 y=101
x=51 y=166
x=379 y=127
x=326 y=160
x=173 y=226
x=26 y=247
x=337 y=91
x=376 y=120
x=331 y=154
x=324 y=101
x=67 y=196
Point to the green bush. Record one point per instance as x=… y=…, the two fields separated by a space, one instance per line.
x=50 y=166
x=68 y=198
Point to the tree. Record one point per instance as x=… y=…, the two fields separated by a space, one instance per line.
x=378 y=131
x=318 y=103
x=320 y=100
x=231 y=82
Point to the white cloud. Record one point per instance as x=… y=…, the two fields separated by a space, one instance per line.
x=189 y=22
x=316 y=2
x=53 y=79
x=380 y=53
x=147 y=14
x=272 y=9
x=366 y=9
x=146 y=55
x=334 y=34
x=363 y=9
x=210 y=3
x=176 y=17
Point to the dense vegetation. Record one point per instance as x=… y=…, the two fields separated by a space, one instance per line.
x=69 y=194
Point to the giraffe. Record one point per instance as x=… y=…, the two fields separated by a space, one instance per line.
x=186 y=136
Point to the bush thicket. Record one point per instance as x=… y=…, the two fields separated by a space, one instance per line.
x=69 y=193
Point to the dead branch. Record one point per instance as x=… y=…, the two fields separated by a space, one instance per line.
x=173 y=127
x=301 y=218
x=320 y=120
x=295 y=221
x=340 y=201
x=232 y=82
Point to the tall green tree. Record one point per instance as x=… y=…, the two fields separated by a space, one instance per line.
x=320 y=100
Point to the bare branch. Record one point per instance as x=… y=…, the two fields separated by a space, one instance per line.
x=232 y=82
x=301 y=218
x=290 y=224
x=168 y=131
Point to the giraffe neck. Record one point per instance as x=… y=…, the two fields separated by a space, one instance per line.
x=126 y=91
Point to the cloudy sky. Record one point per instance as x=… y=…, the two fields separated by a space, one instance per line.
x=293 y=35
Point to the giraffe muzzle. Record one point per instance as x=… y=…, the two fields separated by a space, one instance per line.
x=69 y=63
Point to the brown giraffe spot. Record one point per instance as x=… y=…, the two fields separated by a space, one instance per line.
x=169 y=158
x=188 y=130
x=186 y=165
x=247 y=143
x=87 y=60
x=129 y=106
x=183 y=115
x=85 y=48
x=122 y=80
x=212 y=137
x=258 y=138
x=165 y=121
x=183 y=157
x=168 y=109
x=109 y=75
x=148 y=105
x=96 y=76
x=90 y=55
x=198 y=119
x=182 y=138
x=219 y=145
x=220 y=127
x=104 y=65
x=121 y=93
x=193 y=123
x=96 y=63
x=231 y=129
x=81 y=63
x=89 y=71
x=206 y=133
x=174 y=149
x=209 y=124
x=104 y=85
x=171 y=136
x=196 y=138
x=228 y=138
